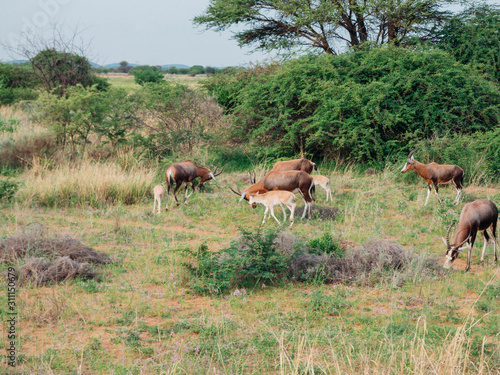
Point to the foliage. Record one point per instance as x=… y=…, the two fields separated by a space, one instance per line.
x=321 y=25
x=7 y=189
x=325 y=244
x=16 y=83
x=180 y=118
x=361 y=106
x=472 y=37
x=145 y=74
x=252 y=259
x=87 y=110
x=58 y=70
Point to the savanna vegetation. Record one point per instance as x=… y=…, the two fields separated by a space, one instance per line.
x=104 y=285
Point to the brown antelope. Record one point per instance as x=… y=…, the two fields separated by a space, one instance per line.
x=158 y=192
x=435 y=174
x=295 y=165
x=324 y=182
x=271 y=199
x=186 y=171
x=282 y=180
x=478 y=215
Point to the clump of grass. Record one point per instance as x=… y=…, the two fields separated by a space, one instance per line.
x=18 y=149
x=86 y=183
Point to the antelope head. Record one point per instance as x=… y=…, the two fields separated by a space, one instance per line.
x=410 y=162
x=452 y=251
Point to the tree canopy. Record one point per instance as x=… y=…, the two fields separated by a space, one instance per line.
x=473 y=37
x=322 y=25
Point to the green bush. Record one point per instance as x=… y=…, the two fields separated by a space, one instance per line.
x=7 y=189
x=252 y=259
x=362 y=106
x=325 y=245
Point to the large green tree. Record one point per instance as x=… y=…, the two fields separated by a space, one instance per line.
x=473 y=37
x=58 y=70
x=321 y=24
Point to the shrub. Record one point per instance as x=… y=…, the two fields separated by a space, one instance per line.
x=253 y=258
x=325 y=245
x=7 y=189
x=363 y=106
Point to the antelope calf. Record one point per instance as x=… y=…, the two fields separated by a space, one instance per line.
x=478 y=215
x=324 y=182
x=158 y=192
x=435 y=174
x=273 y=198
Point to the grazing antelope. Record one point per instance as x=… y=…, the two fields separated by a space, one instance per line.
x=158 y=192
x=478 y=215
x=435 y=174
x=271 y=199
x=283 y=180
x=186 y=171
x=295 y=165
x=324 y=182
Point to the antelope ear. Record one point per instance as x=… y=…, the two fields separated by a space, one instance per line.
x=444 y=241
x=242 y=197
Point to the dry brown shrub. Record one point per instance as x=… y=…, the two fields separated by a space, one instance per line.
x=40 y=271
x=366 y=265
x=48 y=260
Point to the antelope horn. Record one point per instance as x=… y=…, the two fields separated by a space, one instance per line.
x=252 y=179
x=458 y=247
x=411 y=153
x=215 y=172
x=448 y=236
x=238 y=193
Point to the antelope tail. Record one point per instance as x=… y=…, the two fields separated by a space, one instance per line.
x=170 y=178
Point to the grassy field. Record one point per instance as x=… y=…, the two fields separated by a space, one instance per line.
x=127 y=81
x=142 y=316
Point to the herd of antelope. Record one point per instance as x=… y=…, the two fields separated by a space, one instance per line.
x=287 y=177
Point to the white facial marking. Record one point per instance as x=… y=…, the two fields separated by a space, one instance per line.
x=404 y=168
x=242 y=196
x=212 y=175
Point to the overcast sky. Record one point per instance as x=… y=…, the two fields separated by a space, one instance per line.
x=151 y=32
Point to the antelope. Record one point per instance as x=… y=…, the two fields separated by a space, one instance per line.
x=186 y=171
x=478 y=215
x=282 y=180
x=271 y=199
x=295 y=165
x=435 y=174
x=324 y=182
x=158 y=192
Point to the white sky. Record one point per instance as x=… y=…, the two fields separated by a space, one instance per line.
x=151 y=32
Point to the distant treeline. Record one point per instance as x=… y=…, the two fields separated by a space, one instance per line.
x=126 y=68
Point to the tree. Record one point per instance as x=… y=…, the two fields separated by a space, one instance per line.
x=124 y=67
x=321 y=24
x=59 y=70
x=173 y=70
x=473 y=37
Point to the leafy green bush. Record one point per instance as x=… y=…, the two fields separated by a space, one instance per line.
x=325 y=245
x=252 y=259
x=361 y=106
x=145 y=74
x=7 y=189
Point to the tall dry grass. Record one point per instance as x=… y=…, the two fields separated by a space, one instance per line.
x=416 y=355
x=85 y=183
